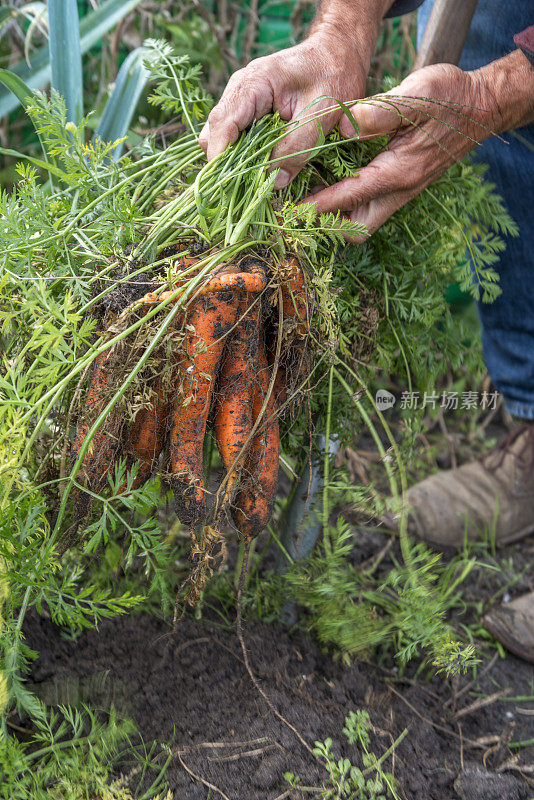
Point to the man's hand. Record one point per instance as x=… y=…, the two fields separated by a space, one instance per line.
x=333 y=62
x=286 y=82
x=429 y=136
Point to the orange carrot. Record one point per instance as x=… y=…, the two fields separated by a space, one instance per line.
x=233 y=414
x=294 y=300
x=106 y=444
x=100 y=455
x=254 y=502
x=146 y=436
x=243 y=281
x=212 y=320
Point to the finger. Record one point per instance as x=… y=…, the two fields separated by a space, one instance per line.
x=384 y=175
x=380 y=189
x=303 y=134
x=380 y=115
x=372 y=215
x=389 y=111
x=403 y=106
x=375 y=117
x=204 y=136
x=248 y=96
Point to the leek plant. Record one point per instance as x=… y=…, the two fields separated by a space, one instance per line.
x=61 y=61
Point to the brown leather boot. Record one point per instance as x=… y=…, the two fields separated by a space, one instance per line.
x=494 y=493
x=513 y=625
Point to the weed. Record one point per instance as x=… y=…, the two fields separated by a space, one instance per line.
x=70 y=756
x=346 y=780
x=403 y=613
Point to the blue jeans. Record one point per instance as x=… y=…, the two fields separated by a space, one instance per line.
x=508 y=323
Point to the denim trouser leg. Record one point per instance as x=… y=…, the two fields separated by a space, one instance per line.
x=508 y=323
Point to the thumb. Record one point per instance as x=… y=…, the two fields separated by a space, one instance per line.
x=304 y=133
x=380 y=115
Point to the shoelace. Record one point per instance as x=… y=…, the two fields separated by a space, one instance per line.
x=524 y=458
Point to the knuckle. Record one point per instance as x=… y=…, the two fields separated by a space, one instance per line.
x=245 y=85
x=236 y=78
x=399 y=174
x=438 y=76
x=217 y=114
x=348 y=193
x=257 y=64
x=251 y=74
x=433 y=87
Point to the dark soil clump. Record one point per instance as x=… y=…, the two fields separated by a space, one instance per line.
x=199 y=695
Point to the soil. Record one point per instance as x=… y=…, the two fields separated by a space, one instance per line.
x=198 y=694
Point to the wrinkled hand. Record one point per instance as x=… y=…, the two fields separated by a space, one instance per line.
x=287 y=82
x=427 y=138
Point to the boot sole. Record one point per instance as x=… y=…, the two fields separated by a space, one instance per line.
x=449 y=548
x=511 y=644
x=515 y=537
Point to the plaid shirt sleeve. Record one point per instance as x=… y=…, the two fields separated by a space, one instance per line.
x=525 y=40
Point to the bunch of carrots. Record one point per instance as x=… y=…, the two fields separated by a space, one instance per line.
x=231 y=344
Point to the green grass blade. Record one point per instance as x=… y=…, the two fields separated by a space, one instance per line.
x=19 y=91
x=66 y=55
x=16 y=87
x=37 y=162
x=92 y=28
x=131 y=81
x=24 y=96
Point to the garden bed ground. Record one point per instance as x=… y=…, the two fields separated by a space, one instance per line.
x=202 y=698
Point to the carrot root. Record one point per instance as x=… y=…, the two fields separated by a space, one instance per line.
x=255 y=500
x=252 y=281
x=233 y=414
x=218 y=359
x=146 y=437
x=212 y=322
x=105 y=446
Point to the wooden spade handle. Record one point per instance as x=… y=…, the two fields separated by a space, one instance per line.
x=446 y=32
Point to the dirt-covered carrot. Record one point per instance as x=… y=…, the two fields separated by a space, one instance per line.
x=146 y=435
x=233 y=413
x=242 y=281
x=294 y=299
x=142 y=440
x=254 y=501
x=99 y=458
x=211 y=318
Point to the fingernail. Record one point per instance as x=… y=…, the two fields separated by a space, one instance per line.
x=282 y=179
